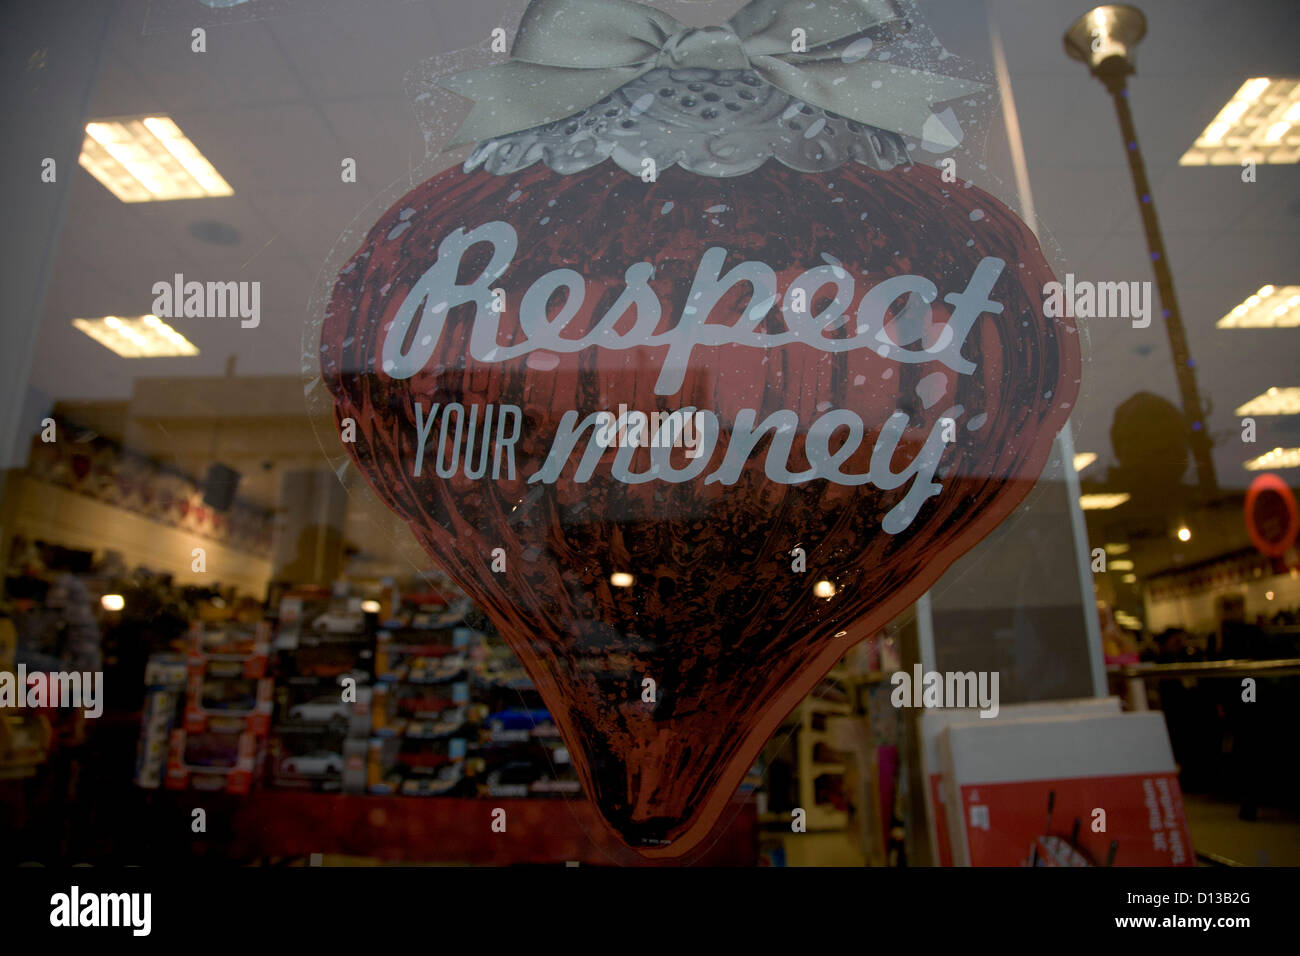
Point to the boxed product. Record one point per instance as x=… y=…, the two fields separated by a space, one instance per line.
x=220 y=693
x=423 y=656
x=419 y=710
x=224 y=761
x=1086 y=789
x=307 y=758
x=165 y=680
x=415 y=767
x=531 y=765
x=935 y=720
x=307 y=702
x=232 y=639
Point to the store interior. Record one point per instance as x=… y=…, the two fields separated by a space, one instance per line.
x=183 y=525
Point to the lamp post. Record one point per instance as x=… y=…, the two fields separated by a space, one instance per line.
x=1104 y=39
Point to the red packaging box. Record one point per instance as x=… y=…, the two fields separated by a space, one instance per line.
x=1065 y=791
x=935 y=720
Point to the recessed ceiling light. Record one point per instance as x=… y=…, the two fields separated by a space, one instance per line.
x=621 y=579
x=1103 y=501
x=145 y=336
x=148 y=158
x=1121 y=565
x=824 y=589
x=1277 y=458
x=1084 y=459
x=1117 y=549
x=1128 y=579
x=1272 y=307
x=1260 y=122
x=1276 y=401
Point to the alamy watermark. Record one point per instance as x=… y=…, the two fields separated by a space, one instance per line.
x=208 y=300
x=74 y=908
x=72 y=689
x=634 y=429
x=1083 y=299
x=946 y=689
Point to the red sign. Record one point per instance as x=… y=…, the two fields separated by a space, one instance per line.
x=1271 y=515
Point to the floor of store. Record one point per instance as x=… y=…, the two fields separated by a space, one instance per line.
x=1273 y=839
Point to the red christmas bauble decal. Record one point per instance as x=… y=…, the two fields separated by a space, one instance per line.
x=721 y=428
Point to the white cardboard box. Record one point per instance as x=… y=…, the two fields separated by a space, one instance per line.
x=1077 y=790
x=935 y=721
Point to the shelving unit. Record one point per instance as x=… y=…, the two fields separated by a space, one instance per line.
x=812 y=715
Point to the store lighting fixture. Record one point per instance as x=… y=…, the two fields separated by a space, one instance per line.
x=145 y=336
x=621 y=579
x=1084 y=459
x=1275 y=459
x=1184 y=533
x=1129 y=579
x=824 y=589
x=1260 y=122
x=1121 y=565
x=1272 y=307
x=148 y=159
x=1276 y=401
x=112 y=602
x=1268 y=595
x=370 y=607
x=1117 y=548
x=1103 y=501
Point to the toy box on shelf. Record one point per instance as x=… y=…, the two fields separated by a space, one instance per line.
x=213 y=760
x=227 y=688
x=228 y=699
x=164 y=696
x=423 y=713
x=324 y=665
x=518 y=752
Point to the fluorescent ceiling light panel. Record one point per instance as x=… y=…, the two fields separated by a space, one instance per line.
x=1275 y=459
x=1260 y=122
x=145 y=336
x=1272 y=307
x=148 y=159
x=1103 y=501
x=1083 y=459
x=1276 y=401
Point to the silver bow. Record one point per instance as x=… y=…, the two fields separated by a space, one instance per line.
x=570 y=54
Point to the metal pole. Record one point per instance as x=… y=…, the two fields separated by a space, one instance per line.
x=1116 y=81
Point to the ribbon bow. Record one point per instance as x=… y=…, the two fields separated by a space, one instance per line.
x=570 y=54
